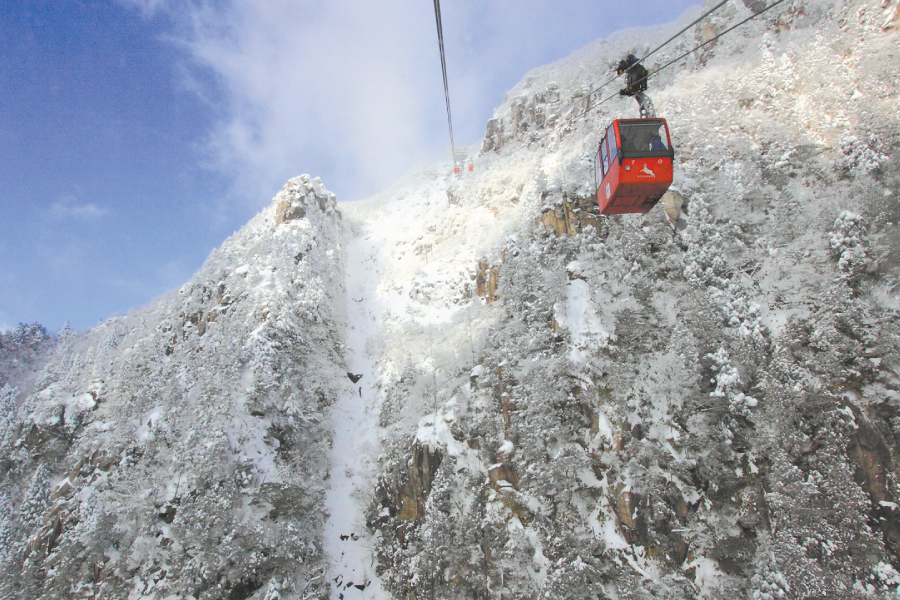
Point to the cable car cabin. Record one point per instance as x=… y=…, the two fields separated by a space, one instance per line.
x=633 y=166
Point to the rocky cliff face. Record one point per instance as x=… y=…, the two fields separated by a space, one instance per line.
x=180 y=451
x=690 y=405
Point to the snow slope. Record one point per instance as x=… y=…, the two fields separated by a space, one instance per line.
x=356 y=442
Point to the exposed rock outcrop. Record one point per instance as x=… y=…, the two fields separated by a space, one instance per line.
x=487 y=277
x=565 y=215
x=298 y=195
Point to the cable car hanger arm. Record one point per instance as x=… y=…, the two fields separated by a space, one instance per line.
x=651 y=53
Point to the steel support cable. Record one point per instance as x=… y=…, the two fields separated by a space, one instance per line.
x=706 y=43
x=651 y=53
x=440 y=33
x=665 y=66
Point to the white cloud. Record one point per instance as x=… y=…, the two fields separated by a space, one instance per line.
x=337 y=89
x=350 y=90
x=68 y=207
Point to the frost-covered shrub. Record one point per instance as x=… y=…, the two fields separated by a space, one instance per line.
x=7 y=412
x=30 y=335
x=21 y=352
x=32 y=510
x=7 y=528
x=575 y=577
x=727 y=380
x=772 y=586
x=885 y=578
x=728 y=384
x=706 y=266
x=836 y=335
x=858 y=155
x=848 y=245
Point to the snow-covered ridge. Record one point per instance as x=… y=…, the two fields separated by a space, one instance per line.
x=182 y=449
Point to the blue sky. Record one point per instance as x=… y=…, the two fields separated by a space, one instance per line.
x=136 y=135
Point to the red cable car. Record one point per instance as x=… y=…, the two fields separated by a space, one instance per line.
x=633 y=166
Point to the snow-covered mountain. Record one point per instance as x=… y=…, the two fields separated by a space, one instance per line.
x=552 y=403
x=182 y=450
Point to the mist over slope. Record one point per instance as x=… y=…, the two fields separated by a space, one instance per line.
x=553 y=403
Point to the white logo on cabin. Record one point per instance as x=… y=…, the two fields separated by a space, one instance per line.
x=648 y=171
x=607 y=191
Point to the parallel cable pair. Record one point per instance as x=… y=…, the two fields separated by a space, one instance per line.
x=639 y=61
x=440 y=34
x=706 y=43
x=655 y=71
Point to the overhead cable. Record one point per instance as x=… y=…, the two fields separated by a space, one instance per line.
x=657 y=70
x=651 y=53
x=706 y=43
x=440 y=33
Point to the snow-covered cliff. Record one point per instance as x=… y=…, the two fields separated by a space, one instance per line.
x=643 y=408
x=553 y=404
x=181 y=450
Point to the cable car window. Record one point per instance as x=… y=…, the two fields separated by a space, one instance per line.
x=643 y=138
x=613 y=151
x=610 y=147
x=604 y=158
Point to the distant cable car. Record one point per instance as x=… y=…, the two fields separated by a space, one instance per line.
x=633 y=166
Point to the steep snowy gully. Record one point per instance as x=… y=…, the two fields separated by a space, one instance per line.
x=355 y=446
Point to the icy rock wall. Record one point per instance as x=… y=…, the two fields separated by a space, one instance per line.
x=180 y=451
x=700 y=410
